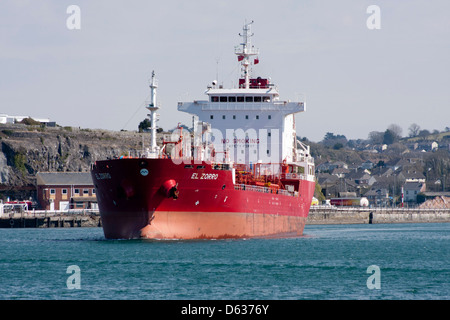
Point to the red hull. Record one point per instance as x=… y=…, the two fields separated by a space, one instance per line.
x=136 y=199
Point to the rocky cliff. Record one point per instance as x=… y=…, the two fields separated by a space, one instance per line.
x=26 y=150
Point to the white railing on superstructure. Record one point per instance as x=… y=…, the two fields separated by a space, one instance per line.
x=276 y=106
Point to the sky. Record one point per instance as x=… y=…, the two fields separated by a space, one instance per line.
x=353 y=79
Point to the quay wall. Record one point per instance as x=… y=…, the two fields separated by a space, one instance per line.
x=317 y=215
x=50 y=219
x=336 y=215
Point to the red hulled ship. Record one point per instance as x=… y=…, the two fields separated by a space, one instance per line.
x=241 y=173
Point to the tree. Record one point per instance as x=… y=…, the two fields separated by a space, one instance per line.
x=424 y=133
x=414 y=130
x=396 y=130
x=376 y=137
x=144 y=125
x=338 y=146
x=437 y=164
x=380 y=164
x=30 y=122
x=420 y=198
x=318 y=192
x=389 y=137
x=330 y=140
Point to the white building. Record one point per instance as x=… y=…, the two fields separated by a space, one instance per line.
x=4 y=119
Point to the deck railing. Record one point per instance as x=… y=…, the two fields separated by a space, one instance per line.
x=246 y=187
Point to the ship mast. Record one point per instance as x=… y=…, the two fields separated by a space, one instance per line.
x=246 y=52
x=152 y=106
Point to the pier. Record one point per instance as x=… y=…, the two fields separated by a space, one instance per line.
x=355 y=215
x=317 y=215
x=51 y=219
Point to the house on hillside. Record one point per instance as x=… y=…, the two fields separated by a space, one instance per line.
x=328 y=183
x=330 y=166
x=367 y=165
x=424 y=146
x=411 y=176
x=397 y=164
x=340 y=172
x=412 y=189
x=65 y=190
x=361 y=177
x=4 y=118
x=378 y=197
x=382 y=172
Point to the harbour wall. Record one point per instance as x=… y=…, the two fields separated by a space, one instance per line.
x=50 y=219
x=317 y=215
x=337 y=215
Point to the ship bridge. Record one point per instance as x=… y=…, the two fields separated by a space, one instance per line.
x=257 y=110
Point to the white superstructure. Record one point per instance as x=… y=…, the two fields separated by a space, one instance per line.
x=251 y=121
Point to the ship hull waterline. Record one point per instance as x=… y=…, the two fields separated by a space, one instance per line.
x=201 y=225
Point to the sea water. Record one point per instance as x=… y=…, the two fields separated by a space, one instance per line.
x=364 y=262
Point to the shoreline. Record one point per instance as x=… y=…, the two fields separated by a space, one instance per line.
x=335 y=215
x=317 y=215
x=50 y=219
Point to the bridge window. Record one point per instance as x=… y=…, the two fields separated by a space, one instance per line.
x=248 y=99
x=266 y=99
x=258 y=99
x=214 y=99
x=231 y=99
x=223 y=99
x=240 y=99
